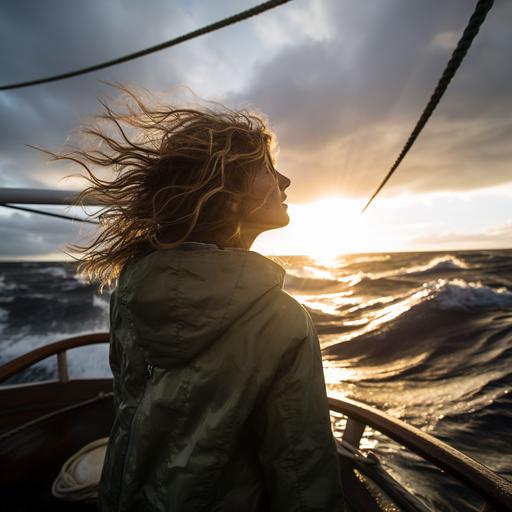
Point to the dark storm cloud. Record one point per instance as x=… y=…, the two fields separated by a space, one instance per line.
x=351 y=94
x=325 y=90
x=30 y=234
x=43 y=38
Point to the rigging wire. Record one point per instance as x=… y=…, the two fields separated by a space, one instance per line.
x=476 y=20
x=50 y=214
x=265 y=6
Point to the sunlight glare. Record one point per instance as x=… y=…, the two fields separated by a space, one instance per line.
x=328 y=228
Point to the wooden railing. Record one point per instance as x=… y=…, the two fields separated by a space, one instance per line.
x=58 y=348
x=496 y=490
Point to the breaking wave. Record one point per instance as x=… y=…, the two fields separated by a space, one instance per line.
x=459 y=294
x=440 y=264
x=57 y=272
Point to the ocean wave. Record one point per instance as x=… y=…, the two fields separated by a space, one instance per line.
x=368 y=284
x=455 y=293
x=297 y=283
x=439 y=264
x=460 y=294
x=436 y=265
x=422 y=315
x=57 y=272
x=6 y=286
x=81 y=279
x=371 y=259
x=101 y=302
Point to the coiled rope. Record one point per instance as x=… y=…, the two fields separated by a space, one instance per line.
x=476 y=20
x=152 y=49
x=79 y=477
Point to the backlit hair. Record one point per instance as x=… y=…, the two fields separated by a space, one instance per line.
x=174 y=171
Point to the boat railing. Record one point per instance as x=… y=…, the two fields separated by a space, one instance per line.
x=59 y=348
x=494 y=489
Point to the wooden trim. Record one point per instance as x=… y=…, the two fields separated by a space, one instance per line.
x=475 y=475
x=26 y=360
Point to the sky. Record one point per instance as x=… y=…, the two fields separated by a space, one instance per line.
x=342 y=84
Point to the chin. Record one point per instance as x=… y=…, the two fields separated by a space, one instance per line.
x=283 y=220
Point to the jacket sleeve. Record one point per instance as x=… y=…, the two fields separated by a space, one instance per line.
x=296 y=450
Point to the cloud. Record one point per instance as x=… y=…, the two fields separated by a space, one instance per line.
x=26 y=234
x=345 y=107
x=342 y=83
x=497 y=237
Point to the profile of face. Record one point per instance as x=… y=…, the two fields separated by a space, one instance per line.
x=264 y=208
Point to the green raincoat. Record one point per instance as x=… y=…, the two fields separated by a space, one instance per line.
x=219 y=391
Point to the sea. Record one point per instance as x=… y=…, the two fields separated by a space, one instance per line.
x=424 y=336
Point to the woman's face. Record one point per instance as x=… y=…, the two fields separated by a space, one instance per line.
x=264 y=208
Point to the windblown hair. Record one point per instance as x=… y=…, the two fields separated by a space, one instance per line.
x=175 y=172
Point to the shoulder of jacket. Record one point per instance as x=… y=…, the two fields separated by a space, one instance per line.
x=291 y=316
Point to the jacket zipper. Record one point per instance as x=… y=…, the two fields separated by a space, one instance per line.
x=148 y=374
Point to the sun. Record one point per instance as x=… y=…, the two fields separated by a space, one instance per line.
x=322 y=229
x=330 y=225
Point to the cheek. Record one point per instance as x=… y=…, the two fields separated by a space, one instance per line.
x=261 y=186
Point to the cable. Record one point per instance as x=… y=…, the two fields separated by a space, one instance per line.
x=476 y=20
x=40 y=212
x=152 y=49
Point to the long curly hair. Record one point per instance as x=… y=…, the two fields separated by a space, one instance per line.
x=175 y=172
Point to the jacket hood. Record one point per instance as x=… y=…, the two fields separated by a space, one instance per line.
x=181 y=300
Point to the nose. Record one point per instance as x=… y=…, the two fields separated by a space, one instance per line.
x=284 y=181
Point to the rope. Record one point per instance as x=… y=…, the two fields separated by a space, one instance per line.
x=101 y=396
x=79 y=477
x=476 y=20
x=50 y=214
x=265 y=6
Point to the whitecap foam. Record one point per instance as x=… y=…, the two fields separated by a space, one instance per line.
x=459 y=294
x=81 y=279
x=6 y=286
x=101 y=302
x=58 y=272
x=89 y=362
x=439 y=264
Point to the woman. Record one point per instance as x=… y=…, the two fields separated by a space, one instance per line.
x=219 y=394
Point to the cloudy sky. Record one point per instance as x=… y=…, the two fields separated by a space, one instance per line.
x=342 y=82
